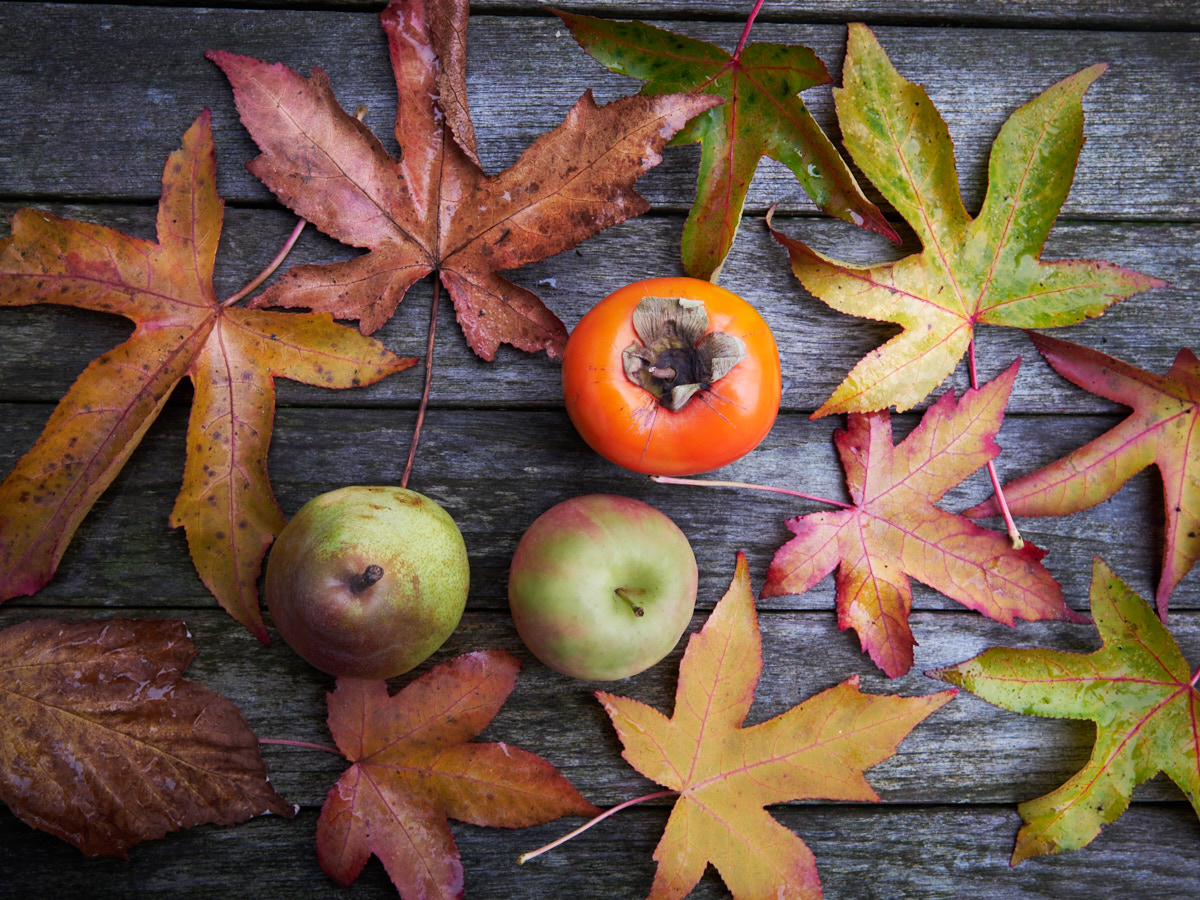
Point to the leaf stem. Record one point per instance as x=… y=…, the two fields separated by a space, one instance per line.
x=746 y=31
x=433 y=314
x=1014 y=534
x=271 y=266
x=1195 y=678
x=669 y=479
x=304 y=744
x=525 y=857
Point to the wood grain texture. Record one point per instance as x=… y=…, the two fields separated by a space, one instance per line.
x=94 y=97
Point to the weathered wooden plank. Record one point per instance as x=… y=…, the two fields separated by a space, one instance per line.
x=967 y=753
x=496 y=472
x=45 y=348
x=1137 y=162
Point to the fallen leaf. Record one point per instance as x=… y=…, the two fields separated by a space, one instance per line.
x=106 y=744
x=984 y=270
x=434 y=209
x=893 y=530
x=726 y=773
x=231 y=355
x=1161 y=432
x=1137 y=688
x=414 y=766
x=762 y=115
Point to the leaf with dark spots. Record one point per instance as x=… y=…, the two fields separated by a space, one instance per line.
x=231 y=355
x=893 y=530
x=972 y=271
x=414 y=765
x=434 y=209
x=1139 y=690
x=105 y=744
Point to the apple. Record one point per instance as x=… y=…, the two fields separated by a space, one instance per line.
x=367 y=582
x=602 y=586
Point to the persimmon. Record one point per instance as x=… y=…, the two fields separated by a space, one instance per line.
x=672 y=376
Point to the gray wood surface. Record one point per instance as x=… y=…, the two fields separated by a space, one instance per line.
x=93 y=98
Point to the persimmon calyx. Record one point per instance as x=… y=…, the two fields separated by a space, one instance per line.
x=675 y=358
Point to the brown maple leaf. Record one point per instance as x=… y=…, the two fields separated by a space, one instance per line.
x=414 y=765
x=1160 y=432
x=725 y=773
x=231 y=355
x=106 y=744
x=434 y=209
x=893 y=530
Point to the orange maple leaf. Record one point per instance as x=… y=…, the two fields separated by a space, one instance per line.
x=231 y=355
x=414 y=765
x=725 y=774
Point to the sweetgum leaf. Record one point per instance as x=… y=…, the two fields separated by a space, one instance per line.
x=1161 y=431
x=1137 y=688
x=434 y=209
x=984 y=270
x=105 y=744
x=893 y=530
x=414 y=765
x=231 y=355
x=762 y=115
x=725 y=773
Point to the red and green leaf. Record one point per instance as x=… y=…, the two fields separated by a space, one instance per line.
x=762 y=115
x=984 y=270
x=1139 y=690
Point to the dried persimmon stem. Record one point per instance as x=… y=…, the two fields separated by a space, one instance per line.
x=412 y=448
x=525 y=857
x=1014 y=534
x=746 y=31
x=305 y=744
x=670 y=479
x=271 y=266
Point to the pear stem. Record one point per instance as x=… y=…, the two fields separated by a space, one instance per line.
x=746 y=31
x=366 y=578
x=271 y=266
x=305 y=744
x=624 y=594
x=412 y=448
x=525 y=857
x=670 y=479
x=1014 y=534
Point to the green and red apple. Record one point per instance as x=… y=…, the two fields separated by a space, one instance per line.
x=602 y=586
x=368 y=582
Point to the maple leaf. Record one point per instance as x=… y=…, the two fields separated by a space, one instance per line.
x=725 y=773
x=762 y=115
x=984 y=270
x=1161 y=432
x=231 y=356
x=434 y=209
x=1137 y=688
x=414 y=765
x=893 y=530
x=105 y=744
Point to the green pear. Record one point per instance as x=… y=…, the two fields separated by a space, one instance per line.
x=367 y=582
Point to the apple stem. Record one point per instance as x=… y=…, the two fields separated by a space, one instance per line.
x=669 y=479
x=525 y=857
x=366 y=578
x=305 y=744
x=623 y=593
x=433 y=314
x=1014 y=534
x=746 y=31
x=271 y=266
